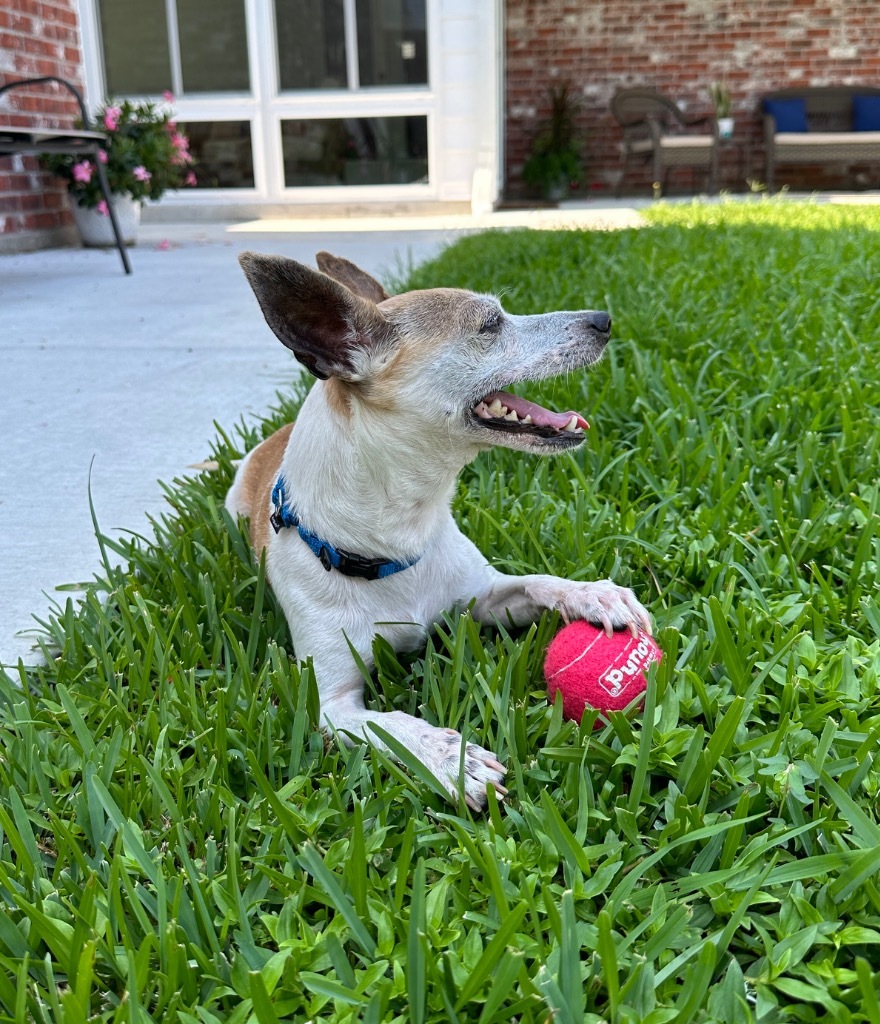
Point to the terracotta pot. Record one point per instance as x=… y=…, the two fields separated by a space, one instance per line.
x=95 y=229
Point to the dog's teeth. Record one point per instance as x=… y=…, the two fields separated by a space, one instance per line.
x=497 y=409
x=512 y=416
x=482 y=411
x=528 y=419
x=572 y=424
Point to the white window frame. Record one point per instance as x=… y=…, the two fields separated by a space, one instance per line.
x=265 y=106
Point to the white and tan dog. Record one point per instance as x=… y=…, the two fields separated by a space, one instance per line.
x=353 y=506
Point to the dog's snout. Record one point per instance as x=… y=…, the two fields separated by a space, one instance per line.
x=600 y=321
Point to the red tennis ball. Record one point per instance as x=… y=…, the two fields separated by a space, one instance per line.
x=593 y=669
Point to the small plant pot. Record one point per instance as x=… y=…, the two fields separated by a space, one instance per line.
x=725 y=127
x=557 y=191
x=96 y=229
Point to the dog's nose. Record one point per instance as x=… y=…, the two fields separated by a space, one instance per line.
x=600 y=321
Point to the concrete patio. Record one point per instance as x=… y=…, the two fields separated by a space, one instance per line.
x=124 y=377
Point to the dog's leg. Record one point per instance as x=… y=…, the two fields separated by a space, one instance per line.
x=344 y=713
x=522 y=599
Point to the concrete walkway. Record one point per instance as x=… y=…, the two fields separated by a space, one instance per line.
x=128 y=375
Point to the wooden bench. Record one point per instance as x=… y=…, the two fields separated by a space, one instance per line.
x=824 y=121
x=78 y=141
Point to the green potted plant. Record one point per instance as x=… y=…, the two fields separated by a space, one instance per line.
x=555 y=161
x=720 y=94
x=146 y=155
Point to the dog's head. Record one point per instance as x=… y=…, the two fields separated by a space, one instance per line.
x=440 y=357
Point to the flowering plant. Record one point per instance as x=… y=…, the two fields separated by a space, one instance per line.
x=146 y=154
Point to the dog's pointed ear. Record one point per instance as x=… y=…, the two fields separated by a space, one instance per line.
x=323 y=323
x=355 y=279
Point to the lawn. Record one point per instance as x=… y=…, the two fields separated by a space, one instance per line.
x=179 y=843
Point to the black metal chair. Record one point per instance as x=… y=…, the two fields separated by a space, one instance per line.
x=78 y=142
x=656 y=130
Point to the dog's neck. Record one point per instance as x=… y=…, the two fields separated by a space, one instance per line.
x=366 y=481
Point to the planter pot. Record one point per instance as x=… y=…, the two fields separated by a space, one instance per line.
x=557 y=191
x=725 y=127
x=96 y=230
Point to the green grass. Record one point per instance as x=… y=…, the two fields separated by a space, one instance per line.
x=179 y=843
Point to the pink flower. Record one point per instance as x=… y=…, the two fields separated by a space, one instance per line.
x=191 y=178
x=103 y=209
x=168 y=96
x=141 y=173
x=82 y=172
x=111 y=118
x=181 y=147
x=102 y=156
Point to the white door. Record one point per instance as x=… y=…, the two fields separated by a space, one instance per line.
x=308 y=100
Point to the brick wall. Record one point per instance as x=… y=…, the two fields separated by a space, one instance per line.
x=680 y=47
x=37 y=37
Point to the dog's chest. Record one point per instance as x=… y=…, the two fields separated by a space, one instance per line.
x=320 y=604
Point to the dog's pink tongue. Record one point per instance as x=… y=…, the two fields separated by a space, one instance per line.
x=541 y=416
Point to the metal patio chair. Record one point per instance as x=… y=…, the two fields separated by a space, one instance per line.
x=77 y=141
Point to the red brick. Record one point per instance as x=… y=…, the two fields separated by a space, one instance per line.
x=679 y=48
x=61 y=33
x=43 y=39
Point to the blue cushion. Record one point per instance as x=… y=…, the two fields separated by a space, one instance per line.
x=789 y=115
x=866 y=113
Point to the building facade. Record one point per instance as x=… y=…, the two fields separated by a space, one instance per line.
x=680 y=47
x=303 y=106
x=291 y=106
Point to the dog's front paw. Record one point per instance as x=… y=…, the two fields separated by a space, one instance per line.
x=478 y=768
x=609 y=605
x=602 y=602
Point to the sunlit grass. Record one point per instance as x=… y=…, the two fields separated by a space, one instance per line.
x=179 y=842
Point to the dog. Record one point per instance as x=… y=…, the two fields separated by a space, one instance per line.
x=352 y=507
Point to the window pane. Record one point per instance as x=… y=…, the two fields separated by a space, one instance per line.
x=222 y=154
x=213 y=45
x=392 y=42
x=135 y=38
x=311 y=44
x=355 y=151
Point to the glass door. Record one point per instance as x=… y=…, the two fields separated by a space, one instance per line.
x=361 y=51
x=280 y=98
x=196 y=51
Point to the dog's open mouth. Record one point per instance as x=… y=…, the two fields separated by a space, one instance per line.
x=512 y=414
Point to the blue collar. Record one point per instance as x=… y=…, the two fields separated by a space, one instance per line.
x=345 y=562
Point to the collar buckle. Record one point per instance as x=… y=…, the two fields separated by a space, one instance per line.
x=324 y=558
x=361 y=566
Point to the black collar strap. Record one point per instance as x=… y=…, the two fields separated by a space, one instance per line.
x=284 y=515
